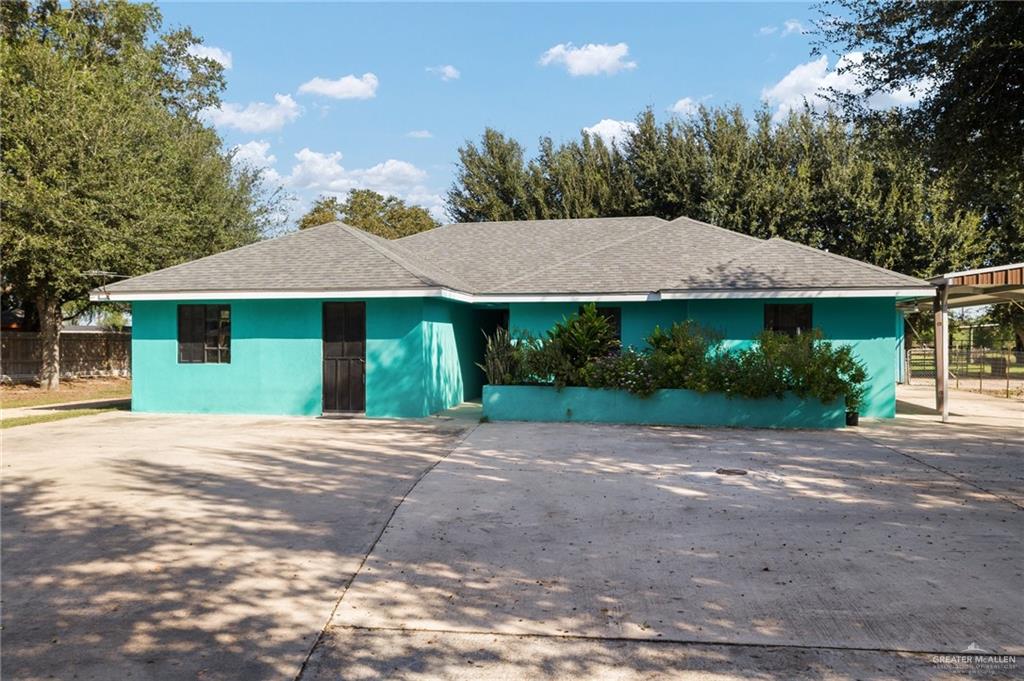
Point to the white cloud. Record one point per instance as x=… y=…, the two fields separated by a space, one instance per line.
x=256 y=154
x=323 y=173
x=255 y=116
x=811 y=82
x=445 y=72
x=346 y=87
x=687 y=106
x=611 y=131
x=589 y=60
x=790 y=26
x=222 y=57
x=767 y=30
x=419 y=134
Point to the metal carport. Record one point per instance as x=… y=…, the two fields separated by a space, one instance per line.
x=985 y=286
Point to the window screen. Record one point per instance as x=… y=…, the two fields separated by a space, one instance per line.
x=204 y=334
x=790 y=319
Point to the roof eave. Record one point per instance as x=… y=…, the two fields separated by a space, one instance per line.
x=828 y=292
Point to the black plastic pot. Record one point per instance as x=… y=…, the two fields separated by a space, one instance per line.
x=852 y=418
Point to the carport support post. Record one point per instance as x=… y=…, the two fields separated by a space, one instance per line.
x=941 y=308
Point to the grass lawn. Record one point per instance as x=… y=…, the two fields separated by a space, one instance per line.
x=71 y=390
x=51 y=416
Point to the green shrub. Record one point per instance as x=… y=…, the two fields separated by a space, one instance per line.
x=504 y=358
x=806 y=365
x=546 y=362
x=585 y=336
x=560 y=357
x=682 y=356
x=582 y=351
x=631 y=370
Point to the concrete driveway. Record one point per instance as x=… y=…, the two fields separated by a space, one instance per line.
x=152 y=547
x=587 y=551
x=191 y=547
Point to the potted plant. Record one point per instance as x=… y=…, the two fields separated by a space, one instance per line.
x=853 y=400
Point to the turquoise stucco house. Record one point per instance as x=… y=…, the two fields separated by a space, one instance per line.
x=332 y=319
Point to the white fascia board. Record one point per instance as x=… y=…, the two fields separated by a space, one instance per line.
x=798 y=293
x=114 y=296
x=446 y=293
x=449 y=294
x=566 y=298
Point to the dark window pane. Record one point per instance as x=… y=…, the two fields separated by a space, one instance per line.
x=788 y=318
x=204 y=333
x=190 y=333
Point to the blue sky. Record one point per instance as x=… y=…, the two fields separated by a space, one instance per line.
x=335 y=96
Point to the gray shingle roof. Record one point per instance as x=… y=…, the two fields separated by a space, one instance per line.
x=781 y=264
x=333 y=256
x=643 y=262
x=486 y=253
x=603 y=255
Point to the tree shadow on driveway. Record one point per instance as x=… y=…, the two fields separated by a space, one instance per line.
x=157 y=547
x=588 y=532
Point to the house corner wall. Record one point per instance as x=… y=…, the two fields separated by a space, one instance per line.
x=452 y=343
x=395 y=367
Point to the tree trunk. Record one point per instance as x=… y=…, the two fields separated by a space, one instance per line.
x=50 y=321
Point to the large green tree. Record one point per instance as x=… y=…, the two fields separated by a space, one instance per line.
x=817 y=180
x=106 y=164
x=491 y=182
x=965 y=62
x=386 y=216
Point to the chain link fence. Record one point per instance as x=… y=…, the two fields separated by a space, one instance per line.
x=993 y=372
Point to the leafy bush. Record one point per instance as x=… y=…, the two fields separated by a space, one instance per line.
x=631 y=370
x=560 y=357
x=682 y=356
x=581 y=351
x=585 y=336
x=504 y=358
x=548 y=363
x=806 y=365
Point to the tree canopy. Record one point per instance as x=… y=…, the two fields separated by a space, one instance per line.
x=106 y=165
x=852 y=190
x=965 y=63
x=386 y=216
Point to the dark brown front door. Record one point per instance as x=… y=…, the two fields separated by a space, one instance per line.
x=344 y=357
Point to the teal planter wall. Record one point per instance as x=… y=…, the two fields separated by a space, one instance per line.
x=669 y=407
x=275 y=361
x=864 y=323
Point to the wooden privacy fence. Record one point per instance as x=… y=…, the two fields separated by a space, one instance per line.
x=105 y=353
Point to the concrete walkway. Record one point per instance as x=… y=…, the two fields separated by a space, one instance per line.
x=981 y=445
x=123 y=403
x=583 y=551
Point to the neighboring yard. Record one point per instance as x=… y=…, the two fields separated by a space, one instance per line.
x=71 y=390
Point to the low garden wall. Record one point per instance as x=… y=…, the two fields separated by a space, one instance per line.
x=667 y=407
